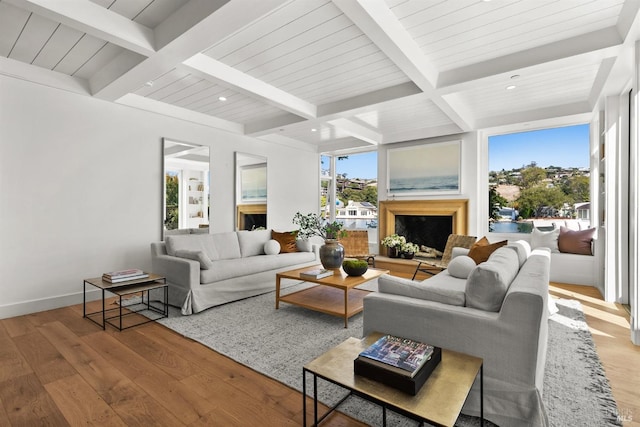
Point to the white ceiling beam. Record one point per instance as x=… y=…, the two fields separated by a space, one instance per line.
x=422 y=133
x=357 y=130
x=289 y=142
x=365 y=101
x=379 y=23
x=586 y=48
x=210 y=69
x=42 y=76
x=573 y=109
x=213 y=21
x=273 y=125
x=148 y=104
x=95 y=20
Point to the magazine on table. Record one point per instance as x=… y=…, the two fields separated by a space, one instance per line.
x=401 y=355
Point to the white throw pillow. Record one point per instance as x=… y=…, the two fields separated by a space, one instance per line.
x=461 y=266
x=545 y=239
x=272 y=247
x=200 y=256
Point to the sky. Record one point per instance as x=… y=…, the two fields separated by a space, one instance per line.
x=565 y=146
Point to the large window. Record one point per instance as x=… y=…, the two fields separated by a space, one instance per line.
x=537 y=178
x=356 y=189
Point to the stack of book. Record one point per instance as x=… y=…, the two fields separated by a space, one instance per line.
x=316 y=273
x=124 y=275
x=398 y=362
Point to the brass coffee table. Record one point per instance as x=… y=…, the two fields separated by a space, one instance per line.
x=438 y=402
x=335 y=295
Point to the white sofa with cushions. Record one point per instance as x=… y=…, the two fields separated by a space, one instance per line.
x=496 y=310
x=575 y=262
x=205 y=270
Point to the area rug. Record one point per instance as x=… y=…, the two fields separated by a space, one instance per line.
x=278 y=343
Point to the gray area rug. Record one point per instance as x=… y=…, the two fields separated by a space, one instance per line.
x=278 y=343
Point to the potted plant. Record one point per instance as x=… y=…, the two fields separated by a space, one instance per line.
x=393 y=243
x=355 y=267
x=408 y=250
x=311 y=224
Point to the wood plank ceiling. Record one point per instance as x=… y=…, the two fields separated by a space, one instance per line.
x=328 y=74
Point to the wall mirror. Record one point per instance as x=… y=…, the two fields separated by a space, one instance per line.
x=185 y=202
x=251 y=191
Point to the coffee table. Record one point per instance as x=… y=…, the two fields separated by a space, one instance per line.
x=438 y=402
x=335 y=295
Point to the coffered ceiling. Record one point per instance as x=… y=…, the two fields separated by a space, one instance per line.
x=328 y=75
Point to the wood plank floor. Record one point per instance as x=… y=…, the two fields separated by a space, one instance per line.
x=58 y=369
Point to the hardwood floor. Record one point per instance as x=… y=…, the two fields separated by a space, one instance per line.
x=60 y=369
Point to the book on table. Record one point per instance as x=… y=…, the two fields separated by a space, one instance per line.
x=398 y=362
x=316 y=273
x=124 y=275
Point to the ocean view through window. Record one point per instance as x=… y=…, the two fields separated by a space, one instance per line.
x=537 y=177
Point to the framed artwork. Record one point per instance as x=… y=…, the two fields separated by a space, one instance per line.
x=424 y=169
x=253 y=183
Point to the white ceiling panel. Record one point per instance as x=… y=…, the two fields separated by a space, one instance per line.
x=415 y=112
x=455 y=34
x=359 y=72
x=562 y=86
x=34 y=36
x=12 y=21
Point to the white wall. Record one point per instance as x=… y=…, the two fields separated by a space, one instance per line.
x=80 y=189
x=468 y=170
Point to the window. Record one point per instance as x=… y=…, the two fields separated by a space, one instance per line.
x=537 y=178
x=356 y=189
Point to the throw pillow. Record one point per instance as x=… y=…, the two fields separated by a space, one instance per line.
x=482 y=249
x=545 y=239
x=287 y=241
x=272 y=247
x=205 y=262
x=523 y=248
x=575 y=242
x=461 y=266
x=488 y=283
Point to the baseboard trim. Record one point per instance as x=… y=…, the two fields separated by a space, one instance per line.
x=43 y=304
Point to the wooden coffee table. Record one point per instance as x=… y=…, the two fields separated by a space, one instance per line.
x=438 y=402
x=335 y=295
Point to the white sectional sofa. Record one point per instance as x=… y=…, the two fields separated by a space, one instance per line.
x=499 y=313
x=204 y=270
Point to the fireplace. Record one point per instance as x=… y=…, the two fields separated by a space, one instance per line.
x=425 y=222
x=251 y=216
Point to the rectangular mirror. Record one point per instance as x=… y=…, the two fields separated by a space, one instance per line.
x=251 y=191
x=186 y=201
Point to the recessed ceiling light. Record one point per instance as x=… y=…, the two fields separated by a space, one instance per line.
x=149 y=83
x=314 y=130
x=222 y=98
x=511 y=87
x=515 y=76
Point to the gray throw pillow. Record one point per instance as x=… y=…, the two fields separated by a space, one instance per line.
x=488 y=283
x=200 y=256
x=461 y=266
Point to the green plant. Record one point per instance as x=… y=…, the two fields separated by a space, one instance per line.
x=313 y=224
x=354 y=263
